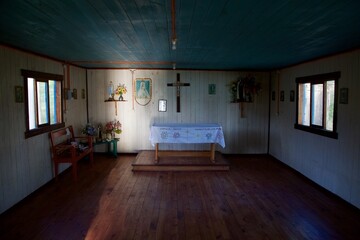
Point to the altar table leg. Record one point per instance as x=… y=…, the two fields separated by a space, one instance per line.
x=212 y=154
x=156 y=153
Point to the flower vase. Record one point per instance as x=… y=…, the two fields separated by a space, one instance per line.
x=108 y=136
x=121 y=97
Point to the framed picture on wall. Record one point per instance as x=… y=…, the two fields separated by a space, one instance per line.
x=344 y=92
x=162 y=105
x=74 y=93
x=83 y=93
x=143 y=91
x=282 y=96
x=292 y=96
x=273 y=95
x=19 y=94
x=212 y=89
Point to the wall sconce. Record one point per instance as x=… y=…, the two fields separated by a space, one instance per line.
x=174 y=66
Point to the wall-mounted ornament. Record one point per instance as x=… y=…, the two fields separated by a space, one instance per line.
x=244 y=89
x=292 y=96
x=83 y=93
x=282 y=95
x=74 y=93
x=212 y=89
x=344 y=94
x=133 y=87
x=116 y=95
x=178 y=84
x=19 y=94
x=273 y=95
x=162 y=105
x=143 y=90
x=68 y=94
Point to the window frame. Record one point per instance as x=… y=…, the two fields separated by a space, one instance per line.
x=41 y=77
x=318 y=79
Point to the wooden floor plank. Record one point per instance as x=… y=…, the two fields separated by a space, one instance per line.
x=259 y=198
x=145 y=162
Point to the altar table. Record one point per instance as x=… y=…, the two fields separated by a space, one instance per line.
x=186 y=133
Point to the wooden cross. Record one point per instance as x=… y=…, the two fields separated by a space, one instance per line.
x=178 y=84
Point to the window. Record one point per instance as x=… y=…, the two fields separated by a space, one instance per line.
x=316 y=109
x=43 y=102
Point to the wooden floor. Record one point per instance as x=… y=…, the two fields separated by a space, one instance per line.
x=145 y=161
x=258 y=199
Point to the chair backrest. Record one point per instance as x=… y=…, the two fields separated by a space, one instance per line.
x=61 y=135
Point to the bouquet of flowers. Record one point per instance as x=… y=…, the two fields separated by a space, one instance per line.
x=244 y=89
x=113 y=126
x=121 y=89
x=89 y=130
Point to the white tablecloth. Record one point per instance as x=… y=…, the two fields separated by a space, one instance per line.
x=187 y=133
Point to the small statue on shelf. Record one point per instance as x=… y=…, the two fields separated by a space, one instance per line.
x=110 y=90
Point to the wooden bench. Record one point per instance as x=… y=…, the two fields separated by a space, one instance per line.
x=66 y=148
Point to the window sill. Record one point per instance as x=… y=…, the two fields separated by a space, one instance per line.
x=320 y=132
x=38 y=131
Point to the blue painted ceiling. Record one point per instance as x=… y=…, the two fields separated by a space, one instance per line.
x=211 y=34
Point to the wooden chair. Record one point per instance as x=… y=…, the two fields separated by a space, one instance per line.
x=66 y=148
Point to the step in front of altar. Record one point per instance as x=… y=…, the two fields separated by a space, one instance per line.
x=179 y=161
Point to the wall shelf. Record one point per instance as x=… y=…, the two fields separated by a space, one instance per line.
x=115 y=102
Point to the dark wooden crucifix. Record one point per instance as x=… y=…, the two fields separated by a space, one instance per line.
x=178 y=84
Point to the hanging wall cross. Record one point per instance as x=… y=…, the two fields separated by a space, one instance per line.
x=178 y=84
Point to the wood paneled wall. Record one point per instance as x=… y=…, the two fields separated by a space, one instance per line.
x=242 y=135
x=25 y=164
x=332 y=163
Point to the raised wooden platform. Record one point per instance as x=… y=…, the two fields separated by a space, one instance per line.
x=145 y=161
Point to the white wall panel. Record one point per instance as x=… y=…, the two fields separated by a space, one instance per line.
x=332 y=163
